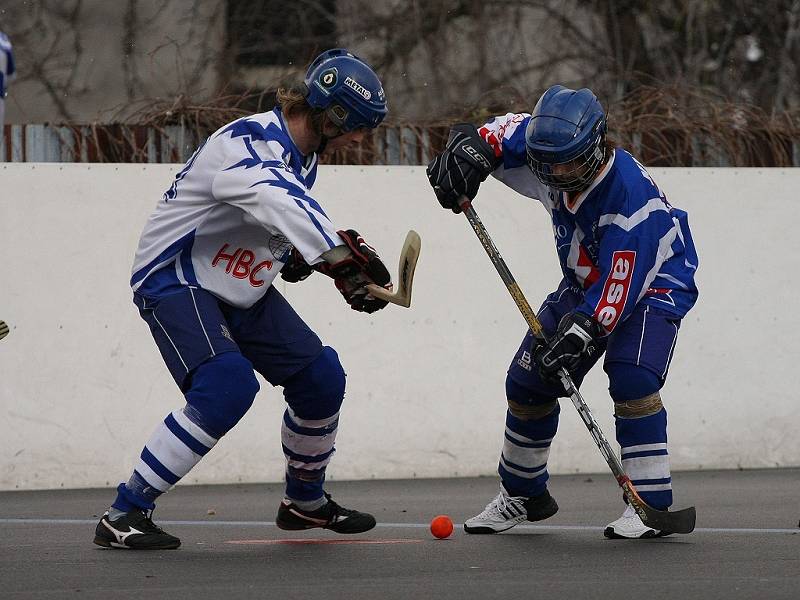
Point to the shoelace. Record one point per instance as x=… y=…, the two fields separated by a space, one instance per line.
x=497 y=505
x=335 y=509
x=145 y=524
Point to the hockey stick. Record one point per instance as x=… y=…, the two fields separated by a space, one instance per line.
x=405 y=273
x=681 y=521
x=3 y=329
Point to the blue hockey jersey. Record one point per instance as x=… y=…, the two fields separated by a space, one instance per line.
x=619 y=241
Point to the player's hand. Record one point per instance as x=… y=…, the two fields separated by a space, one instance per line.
x=296 y=268
x=353 y=273
x=574 y=342
x=464 y=164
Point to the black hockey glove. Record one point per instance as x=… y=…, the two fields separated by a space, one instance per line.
x=464 y=164
x=352 y=273
x=296 y=268
x=575 y=341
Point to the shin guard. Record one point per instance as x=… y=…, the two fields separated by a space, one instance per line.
x=531 y=424
x=310 y=424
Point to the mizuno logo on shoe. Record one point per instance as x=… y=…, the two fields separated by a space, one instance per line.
x=307 y=518
x=121 y=536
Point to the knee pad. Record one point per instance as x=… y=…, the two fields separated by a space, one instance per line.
x=628 y=382
x=634 y=389
x=222 y=390
x=527 y=405
x=317 y=391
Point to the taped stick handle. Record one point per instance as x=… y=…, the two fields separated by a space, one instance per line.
x=679 y=522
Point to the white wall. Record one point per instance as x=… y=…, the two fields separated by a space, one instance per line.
x=82 y=384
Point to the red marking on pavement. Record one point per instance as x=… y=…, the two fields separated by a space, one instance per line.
x=320 y=541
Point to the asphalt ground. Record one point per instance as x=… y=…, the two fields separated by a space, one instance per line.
x=746 y=545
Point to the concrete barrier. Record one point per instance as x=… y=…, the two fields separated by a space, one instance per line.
x=82 y=384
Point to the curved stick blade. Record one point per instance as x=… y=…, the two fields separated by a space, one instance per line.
x=409 y=254
x=680 y=521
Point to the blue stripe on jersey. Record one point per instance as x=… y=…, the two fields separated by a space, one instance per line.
x=311 y=176
x=314 y=220
x=187 y=267
x=173 y=249
x=173 y=189
x=184 y=436
x=159 y=469
x=161 y=282
x=296 y=159
x=301 y=198
x=272 y=132
x=275 y=132
x=255 y=130
x=255 y=160
x=304 y=457
x=293 y=189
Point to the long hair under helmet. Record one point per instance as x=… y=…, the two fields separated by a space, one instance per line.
x=566 y=125
x=347 y=89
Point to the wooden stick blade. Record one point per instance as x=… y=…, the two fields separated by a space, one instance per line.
x=409 y=254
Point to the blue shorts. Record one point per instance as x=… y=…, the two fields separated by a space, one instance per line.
x=646 y=338
x=193 y=325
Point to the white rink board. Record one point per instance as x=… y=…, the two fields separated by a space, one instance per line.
x=83 y=385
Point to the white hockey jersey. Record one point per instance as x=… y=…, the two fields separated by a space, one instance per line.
x=232 y=215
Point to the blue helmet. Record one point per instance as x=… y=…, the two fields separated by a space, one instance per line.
x=566 y=126
x=347 y=89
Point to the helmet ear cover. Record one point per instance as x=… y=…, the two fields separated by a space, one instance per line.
x=338 y=114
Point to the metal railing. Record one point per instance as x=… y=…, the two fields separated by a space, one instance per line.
x=388 y=145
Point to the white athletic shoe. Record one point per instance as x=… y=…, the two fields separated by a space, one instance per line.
x=630 y=526
x=506 y=511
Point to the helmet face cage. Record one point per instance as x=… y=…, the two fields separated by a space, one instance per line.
x=565 y=138
x=580 y=170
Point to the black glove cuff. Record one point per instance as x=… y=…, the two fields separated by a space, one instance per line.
x=466 y=142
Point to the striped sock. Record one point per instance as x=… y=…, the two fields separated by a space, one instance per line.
x=645 y=458
x=175 y=447
x=308 y=445
x=526 y=447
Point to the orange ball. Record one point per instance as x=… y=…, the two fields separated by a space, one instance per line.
x=441 y=526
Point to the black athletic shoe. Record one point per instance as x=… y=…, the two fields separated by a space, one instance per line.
x=134 y=530
x=541 y=507
x=330 y=516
